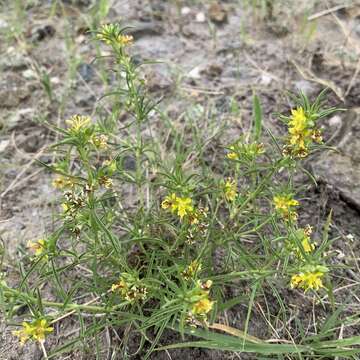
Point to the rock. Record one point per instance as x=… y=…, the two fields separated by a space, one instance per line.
x=158 y=10
x=317 y=61
x=3 y=145
x=200 y=17
x=13 y=59
x=41 y=32
x=129 y=163
x=213 y=71
x=55 y=80
x=29 y=74
x=30 y=140
x=357 y=29
x=20 y=118
x=85 y=100
x=335 y=122
x=139 y=30
x=3 y=24
x=12 y=91
x=279 y=30
x=307 y=87
x=158 y=78
x=79 y=3
x=86 y=71
x=341 y=169
x=265 y=79
x=185 y=11
x=217 y=13
x=194 y=73
x=84 y=3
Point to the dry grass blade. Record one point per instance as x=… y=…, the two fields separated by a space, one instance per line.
x=235 y=332
x=329 y=11
x=308 y=75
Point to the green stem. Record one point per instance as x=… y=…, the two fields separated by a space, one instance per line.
x=91 y=308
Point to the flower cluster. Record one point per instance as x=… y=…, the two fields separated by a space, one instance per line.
x=199 y=302
x=284 y=205
x=72 y=205
x=130 y=288
x=37 y=247
x=180 y=205
x=61 y=182
x=73 y=202
x=230 y=189
x=113 y=34
x=106 y=182
x=302 y=133
x=77 y=123
x=301 y=236
x=241 y=150
x=100 y=141
x=192 y=270
x=198 y=224
x=35 y=330
x=309 y=279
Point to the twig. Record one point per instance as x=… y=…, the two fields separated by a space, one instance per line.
x=256 y=66
x=16 y=181
x=341 y=332
x=73 y=311
x=308 y=75
x=328 y=11
x=43 y=350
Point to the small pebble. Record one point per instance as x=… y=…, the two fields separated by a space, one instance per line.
x=200 y=17
x=185 y=11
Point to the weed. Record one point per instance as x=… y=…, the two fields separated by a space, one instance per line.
x=140 y=242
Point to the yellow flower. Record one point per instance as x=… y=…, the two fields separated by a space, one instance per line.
x=107 y=32
x=307 y=245
x=316 y=136
x=111 y=166
x=184 y=206
x=308 y=230
x=78 y=122
x=130 y=288
x=191 y=270
x=62 y=182
x=206 y=285
x=36 y=330
x=194 y=218
x=230 y=190
x=301 y=134
x=284 y=204
x=59 y=182
x=121 y=286
x=170 y=202
x=298 y=122
x=24 y=334
x=106 y=182
x=202 y=307
x=100 y=141
x=40 y=329
x=110 y=33
x=38 y=247
x=125 y=40
x=232 y=155
x=307 y=280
